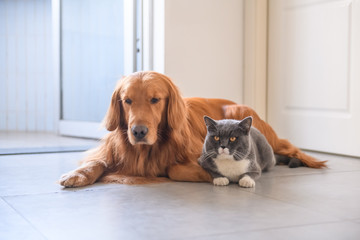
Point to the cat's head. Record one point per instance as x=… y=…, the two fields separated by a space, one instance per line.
x=227 y=136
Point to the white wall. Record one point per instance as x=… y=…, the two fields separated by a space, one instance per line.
x=204 y=47
x=26 y=81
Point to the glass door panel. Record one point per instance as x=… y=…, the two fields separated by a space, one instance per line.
x=92 y=60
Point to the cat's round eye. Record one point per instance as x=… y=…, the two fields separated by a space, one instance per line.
x=128 y=101
x=232 y=139
x=216 y=138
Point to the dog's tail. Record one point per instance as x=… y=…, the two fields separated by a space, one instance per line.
x=280 y=146
x=284 y=147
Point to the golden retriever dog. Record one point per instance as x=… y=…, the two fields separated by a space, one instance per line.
x=156 y=135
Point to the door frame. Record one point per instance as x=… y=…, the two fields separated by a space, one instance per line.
x=255 y=55
x=83 y=128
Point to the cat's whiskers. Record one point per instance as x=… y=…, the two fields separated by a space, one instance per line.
x=208 y=154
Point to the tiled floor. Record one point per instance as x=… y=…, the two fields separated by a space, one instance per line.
x=287 y=203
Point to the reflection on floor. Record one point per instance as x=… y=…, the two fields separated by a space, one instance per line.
x=287 y=203
x=33 y=142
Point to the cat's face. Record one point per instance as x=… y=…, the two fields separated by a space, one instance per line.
x=228 y=137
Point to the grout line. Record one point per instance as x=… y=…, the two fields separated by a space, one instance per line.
x=294 y=226
x=64 y=190
x=308 y=174
x=223 y=234
x=314 y=173
x=23 y=217
x=40 y=152
x=314 y=152
x=355 y=220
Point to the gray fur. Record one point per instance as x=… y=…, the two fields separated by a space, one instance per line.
x=250 y=145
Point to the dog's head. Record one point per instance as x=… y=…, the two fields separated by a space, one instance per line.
x=141 y=104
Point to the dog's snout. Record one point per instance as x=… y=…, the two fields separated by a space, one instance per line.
x=139 y=132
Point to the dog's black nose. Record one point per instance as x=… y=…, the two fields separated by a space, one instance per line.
x=139 y=132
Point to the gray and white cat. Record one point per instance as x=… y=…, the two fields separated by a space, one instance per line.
x=235 y=152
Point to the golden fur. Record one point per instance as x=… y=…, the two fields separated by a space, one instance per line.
x=176 y=132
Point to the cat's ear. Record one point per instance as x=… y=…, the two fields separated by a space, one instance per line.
x=245 y=124
x=210 y=123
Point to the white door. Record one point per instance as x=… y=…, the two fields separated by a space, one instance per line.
x=314 y=73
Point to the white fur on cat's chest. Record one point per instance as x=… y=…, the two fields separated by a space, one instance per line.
x=231 y=168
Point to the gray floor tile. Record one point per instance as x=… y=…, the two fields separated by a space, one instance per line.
x=38 y=173
x=29 y=174
x=159 y=211
x=338 y=230
x=336 y=194
x=13 y=226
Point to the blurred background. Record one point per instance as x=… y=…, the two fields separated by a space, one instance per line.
x=296 y=62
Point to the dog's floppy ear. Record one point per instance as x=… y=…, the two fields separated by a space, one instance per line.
x=176 y=114
x=114 y=115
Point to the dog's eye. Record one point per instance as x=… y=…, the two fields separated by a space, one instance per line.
x=154 y=100
x=128 y=101
x=216 y=138
x=232 y=139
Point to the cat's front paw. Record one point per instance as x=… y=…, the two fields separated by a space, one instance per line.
x=221 y=181
x=247 y=182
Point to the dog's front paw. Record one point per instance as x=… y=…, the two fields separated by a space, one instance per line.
x=74 y=179
x=247 y=182
x=221 y=181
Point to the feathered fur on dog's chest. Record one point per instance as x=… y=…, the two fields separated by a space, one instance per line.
x=231 y=168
